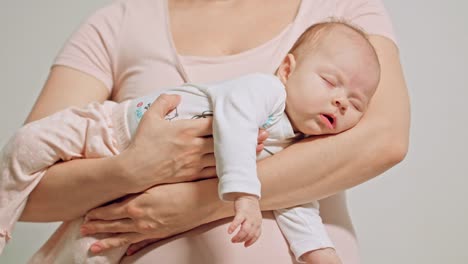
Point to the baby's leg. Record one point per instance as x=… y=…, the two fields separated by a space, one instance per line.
x=303 y=228
x=322 y=256
x=66 y=135
x=38 y=145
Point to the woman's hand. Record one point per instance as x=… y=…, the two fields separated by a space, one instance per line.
x=157 y=213
x=169 y=151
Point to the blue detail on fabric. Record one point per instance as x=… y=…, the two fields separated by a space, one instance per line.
x=139 y=113
x=268 y=123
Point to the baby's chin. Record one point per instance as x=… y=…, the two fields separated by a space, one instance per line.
x=306 y=126
x=310 y=127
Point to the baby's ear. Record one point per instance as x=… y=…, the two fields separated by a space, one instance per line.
x=286 y=67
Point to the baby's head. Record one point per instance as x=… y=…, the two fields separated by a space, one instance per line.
x=330 y=76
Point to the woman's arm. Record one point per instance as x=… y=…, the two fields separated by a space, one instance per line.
x=306 y=171
x=320 y=167
x=317 y=168
x=160 y=152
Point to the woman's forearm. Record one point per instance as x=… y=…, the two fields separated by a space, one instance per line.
x=320 y=167
x=70 y=189
x=316 y=168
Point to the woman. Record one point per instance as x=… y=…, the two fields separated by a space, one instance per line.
x=132 y=47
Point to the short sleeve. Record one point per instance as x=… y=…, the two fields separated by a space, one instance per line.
x=369 y=15
x=91 y=49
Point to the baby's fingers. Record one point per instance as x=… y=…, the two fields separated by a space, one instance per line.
x=235 y=223
x=239 y=237
x=244 y=232
x=253 y=239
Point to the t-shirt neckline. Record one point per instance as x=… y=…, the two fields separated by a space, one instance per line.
x=225 y=58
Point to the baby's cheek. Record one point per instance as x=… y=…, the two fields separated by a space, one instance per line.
x=351 y=121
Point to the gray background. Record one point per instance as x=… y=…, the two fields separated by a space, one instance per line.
x=415 y=213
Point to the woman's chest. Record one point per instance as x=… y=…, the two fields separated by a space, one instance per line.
x=148 y=59
x=229 y=27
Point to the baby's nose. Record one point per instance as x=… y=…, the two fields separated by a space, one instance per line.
x=341 y=104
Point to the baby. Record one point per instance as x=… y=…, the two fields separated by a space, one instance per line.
x=323 y=86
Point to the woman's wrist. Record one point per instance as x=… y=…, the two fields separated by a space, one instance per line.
x=51 y=199
x=125 y=168
x=206 y=193
x=123 y=173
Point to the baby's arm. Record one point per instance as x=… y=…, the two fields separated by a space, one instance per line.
x=240 y=107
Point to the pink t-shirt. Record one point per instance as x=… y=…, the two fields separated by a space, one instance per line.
x=128 y=45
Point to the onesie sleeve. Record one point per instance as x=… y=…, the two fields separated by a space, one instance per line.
x=92 y=47
x=240 y=108
x=369 y=15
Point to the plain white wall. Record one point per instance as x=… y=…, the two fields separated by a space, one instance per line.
x=415 y=213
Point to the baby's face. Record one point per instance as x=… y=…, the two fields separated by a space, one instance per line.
x=328 y=91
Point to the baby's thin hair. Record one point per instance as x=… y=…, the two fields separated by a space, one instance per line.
x=312 y=36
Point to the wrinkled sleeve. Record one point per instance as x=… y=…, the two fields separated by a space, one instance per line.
x=240 y=108
x=99 y=130
x=92 y=47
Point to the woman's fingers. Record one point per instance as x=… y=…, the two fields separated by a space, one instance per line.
x=208 y=160
x=166 y=151
x=262 y=135
x=110 y=212
x=207 y=173
x=164 y=104
x=205 y=145
x=201 y=127
x=140 y=245
x=120 y=240
x=115 y=226
x=259 y=148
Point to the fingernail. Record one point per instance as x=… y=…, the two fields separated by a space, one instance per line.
x=83 y=230
x=130 y=251
x=96 y=248
x=263 y=133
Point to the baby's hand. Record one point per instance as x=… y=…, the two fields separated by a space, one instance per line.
x=249 y=216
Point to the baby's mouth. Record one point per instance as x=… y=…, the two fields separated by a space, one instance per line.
x=328 y=120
